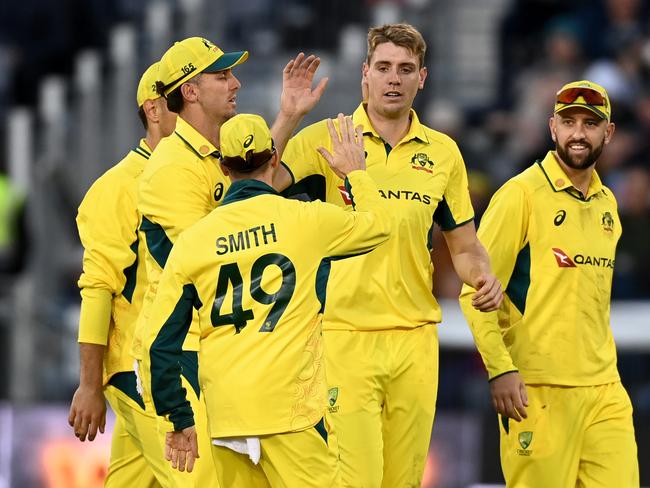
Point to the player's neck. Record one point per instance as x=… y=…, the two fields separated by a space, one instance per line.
x=152 y=138
x=203 y=125
x=390 y=129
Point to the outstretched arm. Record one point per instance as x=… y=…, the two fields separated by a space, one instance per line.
x=472 y=264
x=297 y=98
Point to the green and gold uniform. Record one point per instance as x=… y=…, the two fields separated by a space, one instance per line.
x=553 y=250
x=380 y=324
x=112 y=288
x=256 y=271
x=181 y=184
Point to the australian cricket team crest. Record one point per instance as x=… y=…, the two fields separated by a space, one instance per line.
x=525 y=439
x=333 y=396
x=607 y=221
x=421 y=162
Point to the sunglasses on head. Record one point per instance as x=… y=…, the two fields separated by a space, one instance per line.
x=591 y=97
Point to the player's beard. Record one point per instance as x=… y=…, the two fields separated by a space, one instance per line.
x=576 y=162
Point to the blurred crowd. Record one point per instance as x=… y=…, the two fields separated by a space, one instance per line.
x=541 y=44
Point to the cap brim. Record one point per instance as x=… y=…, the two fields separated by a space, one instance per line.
x=593 y=109
x=227 y=61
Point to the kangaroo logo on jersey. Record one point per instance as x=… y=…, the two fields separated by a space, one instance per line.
x=559 y=217
x=607 y=222
x=345 y=195
x=333 y=395
x=421 y=162
x=525 y=439
x=563 y=260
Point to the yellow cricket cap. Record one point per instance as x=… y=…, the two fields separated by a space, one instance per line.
x=586 y=94
x=246 y=142
x=147 y=85
x=192 y=56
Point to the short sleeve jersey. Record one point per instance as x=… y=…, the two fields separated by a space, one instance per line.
x=553 y=249
x=423 y=179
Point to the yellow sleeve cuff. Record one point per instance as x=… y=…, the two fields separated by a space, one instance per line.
x=95 y=316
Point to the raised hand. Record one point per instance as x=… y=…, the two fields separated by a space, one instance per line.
x=347 y=148
x=297 y=97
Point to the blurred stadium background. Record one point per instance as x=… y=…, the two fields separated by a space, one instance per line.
x=68 y=73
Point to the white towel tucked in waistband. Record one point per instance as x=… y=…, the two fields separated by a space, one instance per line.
x=242 y=445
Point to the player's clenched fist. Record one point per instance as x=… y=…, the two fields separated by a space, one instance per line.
x=347 y=147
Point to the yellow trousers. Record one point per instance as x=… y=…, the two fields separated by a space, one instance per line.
x=382 y=398
x=573 y=437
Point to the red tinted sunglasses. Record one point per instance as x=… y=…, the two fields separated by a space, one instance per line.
x=591 y=97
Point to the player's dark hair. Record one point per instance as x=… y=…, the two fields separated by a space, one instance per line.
x=403 y=35
x=143 y=117
x=175 y=100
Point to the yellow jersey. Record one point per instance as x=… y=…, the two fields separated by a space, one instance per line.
x=256 y=270
x=423 y=180
x=182 y=183
x=108 y=221
x=553 y=250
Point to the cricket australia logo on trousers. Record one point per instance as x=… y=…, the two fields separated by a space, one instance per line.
x=333 y=395
x=525 y=439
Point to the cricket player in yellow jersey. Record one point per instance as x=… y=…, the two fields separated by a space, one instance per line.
x=111 y=298
x=551 y=232
x=255 y=270
x=381 y=322
x=184 y=182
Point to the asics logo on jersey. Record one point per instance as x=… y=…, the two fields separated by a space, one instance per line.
x=559 y=217
x=563 y=261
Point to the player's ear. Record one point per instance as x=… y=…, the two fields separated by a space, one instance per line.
x=551 y=126
x=150 y=111
x=609 y=132
x=190 y=91
x=224 y=169
x=423 y=76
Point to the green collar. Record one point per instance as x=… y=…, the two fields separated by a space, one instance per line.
x=243 y=189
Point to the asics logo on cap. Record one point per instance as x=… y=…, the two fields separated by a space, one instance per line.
x=248 y=141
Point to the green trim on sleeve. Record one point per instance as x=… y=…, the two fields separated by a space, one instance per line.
x=348 y=188
x=445 y=219
x=158 y=244
x=130 y=274
x=166 y=353
x=190 y=370
x=517 y=289
x=293 y=178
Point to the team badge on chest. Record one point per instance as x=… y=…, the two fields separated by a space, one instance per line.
x=421 y=162
x=607 y=221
